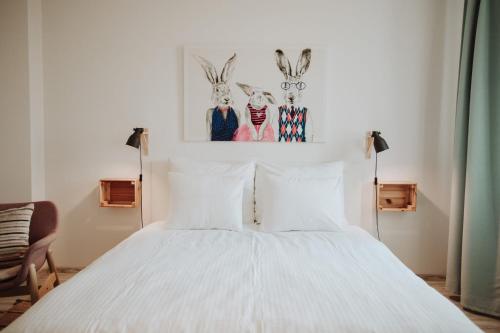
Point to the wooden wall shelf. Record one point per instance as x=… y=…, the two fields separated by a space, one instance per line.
x=397 y=196
x=119 y=192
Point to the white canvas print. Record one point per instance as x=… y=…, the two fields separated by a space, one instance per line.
x=258 y=94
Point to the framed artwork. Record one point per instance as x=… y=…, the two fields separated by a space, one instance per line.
x=256 y=94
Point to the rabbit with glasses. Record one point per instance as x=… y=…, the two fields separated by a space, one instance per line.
x=294 y=120
x=256 y=125
x=222 y=118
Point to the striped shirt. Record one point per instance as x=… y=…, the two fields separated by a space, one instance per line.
x=257 y=116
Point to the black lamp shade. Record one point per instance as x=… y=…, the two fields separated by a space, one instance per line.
x=134 y=140
x=378 y=142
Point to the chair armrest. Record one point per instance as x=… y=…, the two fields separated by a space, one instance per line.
x=41 y=243
x=36 y=255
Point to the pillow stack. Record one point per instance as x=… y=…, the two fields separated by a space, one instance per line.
x=213 y=195
x=210 y=195
x=205 y=202
x=307 y=198
x=14 y=234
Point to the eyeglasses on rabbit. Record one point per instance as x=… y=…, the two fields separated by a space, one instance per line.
x=299 y=85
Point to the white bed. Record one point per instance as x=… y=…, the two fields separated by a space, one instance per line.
x=162 y=280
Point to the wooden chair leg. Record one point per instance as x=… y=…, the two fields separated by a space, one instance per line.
x=33 y=284
x=52 y=267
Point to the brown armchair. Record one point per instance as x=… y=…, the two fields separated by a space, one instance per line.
x=43 y=228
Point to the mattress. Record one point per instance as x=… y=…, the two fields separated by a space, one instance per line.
x=161 y=280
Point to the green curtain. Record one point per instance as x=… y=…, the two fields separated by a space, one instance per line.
x=473 y=249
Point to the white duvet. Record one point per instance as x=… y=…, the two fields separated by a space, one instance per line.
x=222 y=281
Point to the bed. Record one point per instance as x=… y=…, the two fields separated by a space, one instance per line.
x=161 y=280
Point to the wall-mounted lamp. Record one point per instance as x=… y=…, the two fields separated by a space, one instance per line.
x=379 y=144
x=134 y=140
x=140 y=140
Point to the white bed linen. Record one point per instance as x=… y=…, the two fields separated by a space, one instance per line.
x=162 y=280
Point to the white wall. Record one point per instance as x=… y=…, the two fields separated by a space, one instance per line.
x=22 y=167
x=116 y=64
x=15 y=167
x=37 y=123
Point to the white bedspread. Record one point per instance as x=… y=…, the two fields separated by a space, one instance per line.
x=221 y=281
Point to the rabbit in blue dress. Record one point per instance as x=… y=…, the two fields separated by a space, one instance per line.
x=223 y=118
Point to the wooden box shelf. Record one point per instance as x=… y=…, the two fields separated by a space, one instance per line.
x=119 y=192
x=397 y=196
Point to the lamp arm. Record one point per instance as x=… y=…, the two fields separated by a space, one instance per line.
x=375 y=182
x=140 y=162
x=140 y=183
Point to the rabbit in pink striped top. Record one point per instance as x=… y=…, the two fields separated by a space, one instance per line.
x=256 y=125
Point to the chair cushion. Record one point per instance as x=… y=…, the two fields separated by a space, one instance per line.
x=9 y=273
x=14 y=234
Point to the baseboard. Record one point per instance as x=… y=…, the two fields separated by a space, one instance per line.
x=72 y=270
x=432 y=277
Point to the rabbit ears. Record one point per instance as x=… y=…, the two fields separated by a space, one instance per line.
x=211 y=72
x=249 y=90
x=285 y=67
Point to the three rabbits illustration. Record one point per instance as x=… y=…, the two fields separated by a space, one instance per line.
x=223 y=118
x=223 y=121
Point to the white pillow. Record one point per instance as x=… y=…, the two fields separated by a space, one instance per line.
x=295 y=203
x=245 y=171
x=312 y=172
x=204 y=202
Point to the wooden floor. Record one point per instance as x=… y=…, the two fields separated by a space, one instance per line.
x=487 y=324
x=8 y=312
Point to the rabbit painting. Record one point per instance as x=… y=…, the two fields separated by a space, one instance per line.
x=222 y=119
x=256 y=125
x=294 y=120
